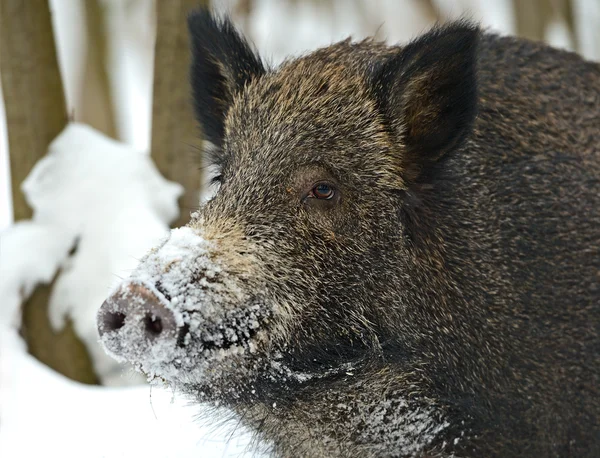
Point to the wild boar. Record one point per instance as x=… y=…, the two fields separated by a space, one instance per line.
x=402 y=257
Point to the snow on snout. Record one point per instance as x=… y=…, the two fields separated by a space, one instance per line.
x=177 y=267
x=203 y=312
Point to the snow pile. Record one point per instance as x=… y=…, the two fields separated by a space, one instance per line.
x=114 y=204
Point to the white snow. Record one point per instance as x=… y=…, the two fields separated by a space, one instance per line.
x=30 y=253
x=44 y=414
x=113 y=201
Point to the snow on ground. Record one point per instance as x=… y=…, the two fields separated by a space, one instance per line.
x=44 y=414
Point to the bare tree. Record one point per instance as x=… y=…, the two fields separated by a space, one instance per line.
x=33 y=92
x=534 y=16
x=96 y=105
x=176 y=139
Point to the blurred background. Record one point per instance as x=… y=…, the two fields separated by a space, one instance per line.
x=79 y=220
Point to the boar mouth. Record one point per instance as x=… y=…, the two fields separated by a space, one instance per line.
x=203 y=346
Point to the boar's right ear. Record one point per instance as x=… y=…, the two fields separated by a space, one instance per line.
x=222 y=64
x=427 y=94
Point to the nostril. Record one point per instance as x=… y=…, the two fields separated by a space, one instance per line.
x=153 y=324
x=134 y=319
x=113 y=321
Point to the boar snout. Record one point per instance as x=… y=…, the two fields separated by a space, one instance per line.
x=190 y=303
x=134 y=319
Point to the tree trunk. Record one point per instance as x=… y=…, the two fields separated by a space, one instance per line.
x=176 y=137
x=95 y=98
x=531 y=18
x=33 y=93
x=35 y=115
x=564 y=9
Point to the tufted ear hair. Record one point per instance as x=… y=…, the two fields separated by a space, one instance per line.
x=427 y=94
x=222 y=64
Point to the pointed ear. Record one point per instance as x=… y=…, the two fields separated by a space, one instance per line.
x=222 y=64
x=427 y=94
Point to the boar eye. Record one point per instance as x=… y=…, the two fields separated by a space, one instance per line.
x=322 y=191
x=321 y=195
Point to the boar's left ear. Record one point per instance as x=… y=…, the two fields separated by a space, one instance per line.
x=427 y=94
x=222 y=64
